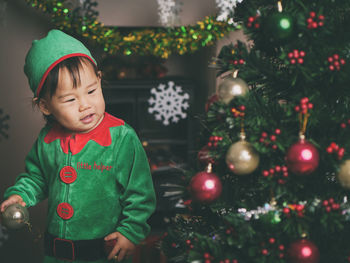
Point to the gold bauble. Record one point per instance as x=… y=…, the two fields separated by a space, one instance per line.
x=230 y=88
x=344 y=174
x=242 y=158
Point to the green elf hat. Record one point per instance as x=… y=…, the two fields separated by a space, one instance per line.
x=47 y=52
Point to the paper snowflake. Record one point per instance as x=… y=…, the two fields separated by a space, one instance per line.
x=168 y=11
x=227 y=8
x=3 y=125
x=168 y=103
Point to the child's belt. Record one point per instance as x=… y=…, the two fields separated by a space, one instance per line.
x=64 y=249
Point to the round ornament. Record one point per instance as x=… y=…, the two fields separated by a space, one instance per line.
x=302 y=158
x=15 y=216
x=344 y=174
x=205 y=187
x=230 y=88
x=303 y=251
x=242 y=158
x=280 y=26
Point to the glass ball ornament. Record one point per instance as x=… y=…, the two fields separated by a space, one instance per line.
x=303 y=251
x=242 y=158
x=344 y=174
x=205 y=186
x=15 y=216
x=280 y=26
x=302 y=158
x=230 y=88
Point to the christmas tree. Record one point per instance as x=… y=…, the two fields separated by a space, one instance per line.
x=274 y=174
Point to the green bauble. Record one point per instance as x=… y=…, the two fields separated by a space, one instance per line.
x=280 y=26
x=15 y=216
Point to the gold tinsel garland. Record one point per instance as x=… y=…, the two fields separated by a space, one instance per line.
x=159 y=42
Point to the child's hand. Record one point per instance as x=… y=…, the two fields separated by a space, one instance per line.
x=123 y=247
x=13 y=199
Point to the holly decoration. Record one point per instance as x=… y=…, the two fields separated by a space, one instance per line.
x=314 y=21
x=296 y=56
x=335 y=62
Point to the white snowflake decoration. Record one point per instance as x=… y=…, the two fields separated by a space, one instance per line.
x=168 y=103
x=226 y=7
x=168 y=11
x=3 y=235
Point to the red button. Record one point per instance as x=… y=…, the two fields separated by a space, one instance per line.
x=65 y=210
x=68 y=174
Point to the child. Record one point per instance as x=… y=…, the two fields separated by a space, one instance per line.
x=90 y=165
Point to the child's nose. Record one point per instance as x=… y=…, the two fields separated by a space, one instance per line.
x=84 y=104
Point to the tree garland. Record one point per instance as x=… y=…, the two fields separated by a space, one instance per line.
x=159 y=42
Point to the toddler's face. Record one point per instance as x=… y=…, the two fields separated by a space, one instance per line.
x=80 y=109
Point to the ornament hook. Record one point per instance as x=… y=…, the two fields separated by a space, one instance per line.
x=279 y=5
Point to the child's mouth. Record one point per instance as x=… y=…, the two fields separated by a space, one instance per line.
x=89 y=118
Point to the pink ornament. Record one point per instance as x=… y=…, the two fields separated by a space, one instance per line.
x=205 y=187
x=303 y=251
x=302 y=158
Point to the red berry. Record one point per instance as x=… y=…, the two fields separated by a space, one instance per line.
x=329 y=149
x=314 y=25
x=272 y=240
x=331 y=67
x=281 y=255
x=271 y=171
x=320 y=23
x=264 y=134
x=342 y=61
x=235 y=62
x=278 y=131
x=330 y=59
x=277 y=168
x=284 y=168
x=304 y=100
x=297 y=108
x=173 y=245
x=336 y=56
x=325 y=203
x=286 y=210
x=321 y=17
x=309 y=20
x=210 y=144
x=300 y=60
x=264 y=252
x=265 y=173
x=290 y=55
x=333 y=145
x=235 y=261
x=273 y=137
x=328 y=209
x=274 y=147
x=312 y=14
x=296 y=53
x=343 y=125
x=241 y=61
x=206 y=255
x=335 y=206
x=188 y=241
x=281 y=247
x=336 y=63
x=292 y=61
x=310 y=105
x=227 y=261
x=249 y=24
x=257 y=25
x=215 y=144
x=251 y=19
x=242 y=108
x=261 y=140
x=285 y=174
x=331 y=200
x=302 y=53
x=207 y=261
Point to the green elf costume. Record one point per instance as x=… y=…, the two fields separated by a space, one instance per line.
x=96 y=183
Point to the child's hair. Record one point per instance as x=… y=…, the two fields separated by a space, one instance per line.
x=73 y=65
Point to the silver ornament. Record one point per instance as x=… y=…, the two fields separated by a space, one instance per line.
x=15 y=216
x=230 y=88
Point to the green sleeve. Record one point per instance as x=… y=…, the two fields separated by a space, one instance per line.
x=138 y=196
x=31 y=185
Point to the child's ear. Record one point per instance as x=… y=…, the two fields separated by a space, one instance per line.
x=43 y=106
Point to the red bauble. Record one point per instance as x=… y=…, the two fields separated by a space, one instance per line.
x=302 y=158
x=303 y=251
x=205 y=187
x=211 y=100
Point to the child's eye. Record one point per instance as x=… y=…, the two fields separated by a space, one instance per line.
x=70 y=100
x=91 y=91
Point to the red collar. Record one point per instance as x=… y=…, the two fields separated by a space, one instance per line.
x=75 y=144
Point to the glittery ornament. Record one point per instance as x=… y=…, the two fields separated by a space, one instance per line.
x=230 y=88
x=15 y=216
x=205 y=186
x=242 y=158
x=344 y=174
x=303 y=251
x=302 y=158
